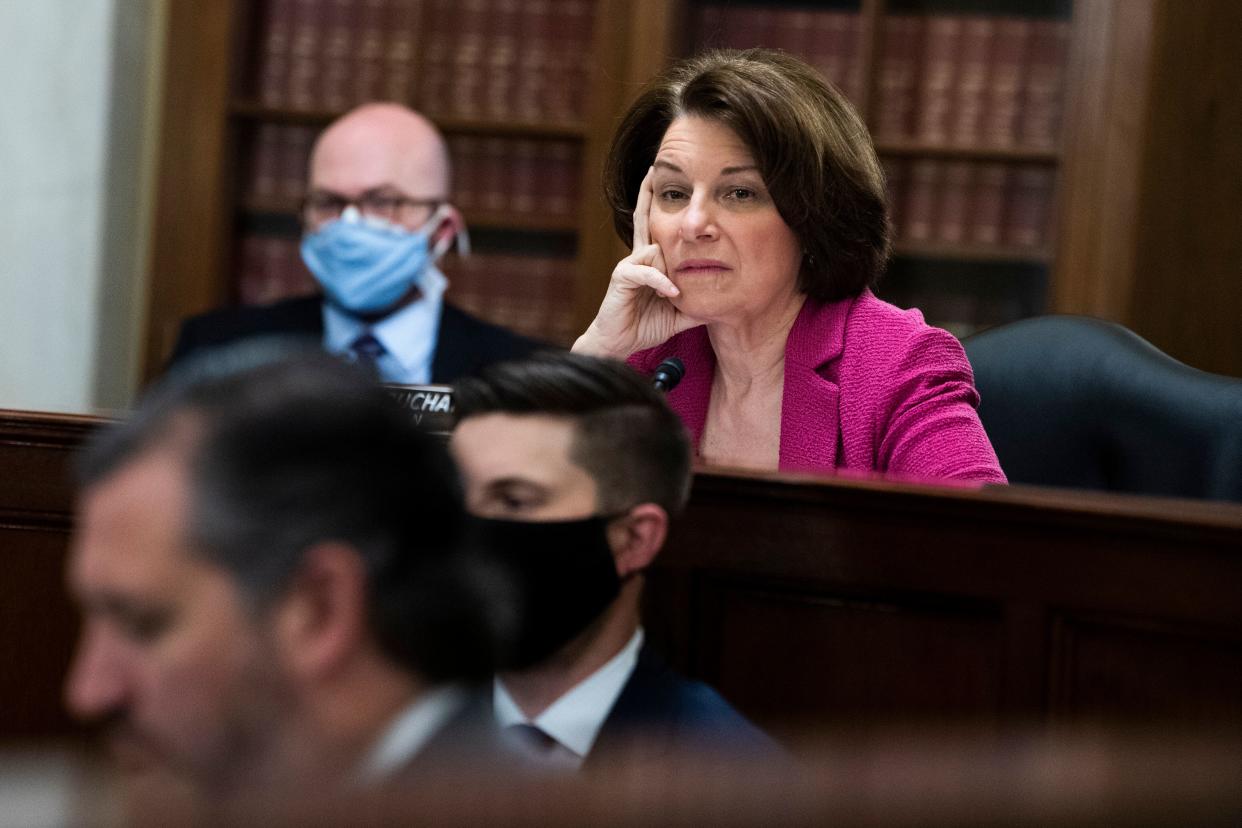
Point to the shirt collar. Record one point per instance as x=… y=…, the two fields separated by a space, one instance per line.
x=412 y=728
x=574 y=720
x=408 y=335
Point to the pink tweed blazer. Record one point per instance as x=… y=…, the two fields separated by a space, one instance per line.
x=868 y=388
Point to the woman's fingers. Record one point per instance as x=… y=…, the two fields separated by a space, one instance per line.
x=642 y=238
x=635 y=274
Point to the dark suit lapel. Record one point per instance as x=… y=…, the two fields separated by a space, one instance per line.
x=640 y=725
x=451 y=358
x=469 y=735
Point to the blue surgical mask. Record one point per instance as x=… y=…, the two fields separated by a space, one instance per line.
x=365 y=266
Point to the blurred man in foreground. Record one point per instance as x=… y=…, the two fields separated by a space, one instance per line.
x=376 y=219
x=573 y=466
x=267 y=564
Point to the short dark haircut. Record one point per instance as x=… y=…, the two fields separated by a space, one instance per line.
x=288 y=448
x=811 y=147
x=625 y=435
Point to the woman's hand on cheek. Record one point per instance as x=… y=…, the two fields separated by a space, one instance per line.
x=636 y=312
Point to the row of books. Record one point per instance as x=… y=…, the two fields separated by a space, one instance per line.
x=528 y=294
x=827 y=39
x=972 y=203
x=475 y=59
x=974 y=81
x=516 y=176
x=532 y=295
x=942 y=79
x=270 y=268
x=492 y=175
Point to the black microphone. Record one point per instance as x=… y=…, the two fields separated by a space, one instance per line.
x=668 y=373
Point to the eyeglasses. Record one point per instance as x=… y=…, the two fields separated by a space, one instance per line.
x=321 y=207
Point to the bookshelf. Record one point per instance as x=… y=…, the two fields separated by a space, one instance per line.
x=1121 y=135
x=1101 y=202
x=964 y=101
x=524 y=92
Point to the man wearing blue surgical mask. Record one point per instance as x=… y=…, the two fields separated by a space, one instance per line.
x=376 y=218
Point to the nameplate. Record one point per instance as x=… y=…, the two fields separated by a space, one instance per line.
x=430 y=406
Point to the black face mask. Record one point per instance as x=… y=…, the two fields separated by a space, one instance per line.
x=564 y=575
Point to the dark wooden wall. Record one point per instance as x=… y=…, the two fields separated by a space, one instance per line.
x=37 y=621
x=855 y=603
x=826 y=602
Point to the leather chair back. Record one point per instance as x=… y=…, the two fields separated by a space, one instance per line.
x=1079 y=402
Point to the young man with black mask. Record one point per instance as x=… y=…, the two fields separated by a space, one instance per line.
x=573 y=466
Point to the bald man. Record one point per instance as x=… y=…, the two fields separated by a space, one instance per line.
x=376 y=219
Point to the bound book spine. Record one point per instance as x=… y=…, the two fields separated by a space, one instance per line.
x=899 y=58
x=535 y=34
x=1029 y=210
x=1008 y=68
x=306 y=53
x=294 y=162
x=367 y=81
x=987 y=209
x=500 y=60
x=493 y=171
x=792 y=30
x=401 y=50
x=338 y=46
x=269 y=269
x=263 y=182
x=467 y=42
x=524 y=178
x=895 y=182
x=978 y=34
x=435 y=61
x=828 y=49
x=1045 y=84
x=558 y=188
x=567 y=63
x=274 y=57
x=921 y=197
x=464 y=150
x=952 y=215
x=941 y=56
x=851 y=34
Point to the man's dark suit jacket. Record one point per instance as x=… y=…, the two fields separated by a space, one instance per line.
x=660 y=712
x=466 y=344
x=469 y=738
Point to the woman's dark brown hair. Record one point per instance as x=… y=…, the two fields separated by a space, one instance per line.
x=812 y=149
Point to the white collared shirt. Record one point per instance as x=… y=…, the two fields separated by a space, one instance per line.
x=410 y=731
x=574 y=720
x=409 y=336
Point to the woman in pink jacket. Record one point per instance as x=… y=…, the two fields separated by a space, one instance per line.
x=759 y=227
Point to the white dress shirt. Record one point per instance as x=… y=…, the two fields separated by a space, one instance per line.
x=574 y=720
x=408 y=336
x=410 y=731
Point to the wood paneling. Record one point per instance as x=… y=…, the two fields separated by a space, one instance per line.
x=820 y=600
x=1106 y=668
x=885 y=601
x=1153 y=175
x=38 y=623
x=851 y=655
x=1187 y=295
x=189 y=241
